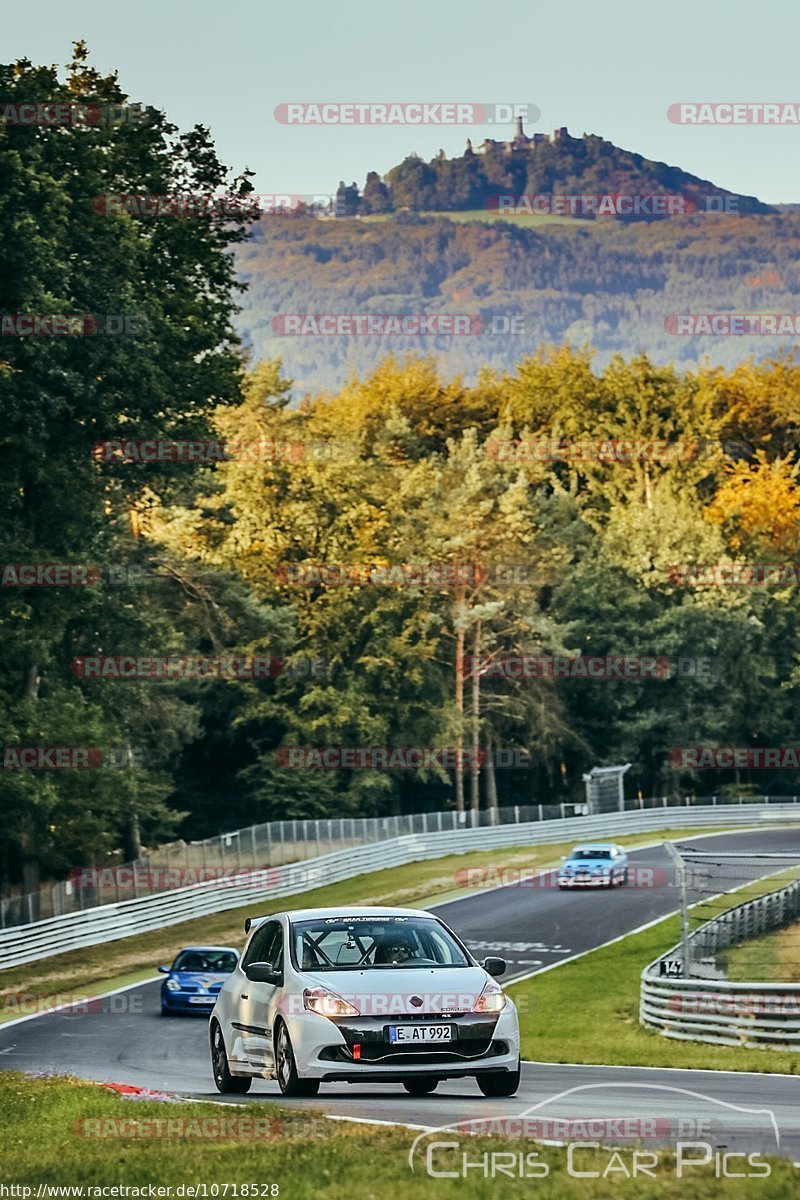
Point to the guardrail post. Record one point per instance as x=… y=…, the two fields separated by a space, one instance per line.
x=685 y=943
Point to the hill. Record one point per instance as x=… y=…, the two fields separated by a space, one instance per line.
x=611 y=284
x=587 y=177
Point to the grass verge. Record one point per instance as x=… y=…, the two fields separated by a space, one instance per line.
x=112 y=964
x=303 y=1156
x=587 y=1011
x=773 y=958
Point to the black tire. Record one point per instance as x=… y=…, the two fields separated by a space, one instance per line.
x=226 y=1083
x=624 y=879
x=289 y=1081
x=500 y=1083
x=420 y=1087
x=166 y=1012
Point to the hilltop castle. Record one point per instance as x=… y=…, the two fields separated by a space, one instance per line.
x=520 y=140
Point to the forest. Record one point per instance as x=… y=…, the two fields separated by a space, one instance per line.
x=381 y=544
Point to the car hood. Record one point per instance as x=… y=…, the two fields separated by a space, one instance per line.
x=205 y=979
x=590 y=863
x=392 y=991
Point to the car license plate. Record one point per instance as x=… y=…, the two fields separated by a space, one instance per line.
x=420 y=1033
x=201 y=999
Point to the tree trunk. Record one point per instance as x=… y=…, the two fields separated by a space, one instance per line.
x=133 y=840
x=459 y=699
x=32 y=681
x=475 y=798
x=491 y=785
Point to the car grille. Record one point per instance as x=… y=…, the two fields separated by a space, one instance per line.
x=465 y=1049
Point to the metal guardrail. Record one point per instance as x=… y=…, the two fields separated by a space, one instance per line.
x=763 y=1015
x=28 y=943
x=276 y=843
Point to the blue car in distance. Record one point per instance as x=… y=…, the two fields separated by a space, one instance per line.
x=594 y=864
x=194 y=979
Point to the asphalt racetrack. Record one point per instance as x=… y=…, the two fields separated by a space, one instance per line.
x=534 y=927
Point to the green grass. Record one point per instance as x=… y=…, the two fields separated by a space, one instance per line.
x=587 y=1011
x=307 y=1156
x=773 y=958
x=113 y=964
x=484 y=214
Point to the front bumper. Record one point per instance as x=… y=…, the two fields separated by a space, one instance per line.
x=326 y=1050
x=188 y=1002
x=585 y=881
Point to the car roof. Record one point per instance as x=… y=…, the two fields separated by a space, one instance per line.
x=347 y=910
x=596 y=846
x=199 y=949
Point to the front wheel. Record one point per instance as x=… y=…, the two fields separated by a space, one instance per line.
x=226 y=1083
x=420 y=1087
x=289 y=1081
x=500 y=1083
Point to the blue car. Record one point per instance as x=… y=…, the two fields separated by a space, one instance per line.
x=595 y=864
x=194 y=979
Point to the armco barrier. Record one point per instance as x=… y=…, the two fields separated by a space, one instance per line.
x=765 y=1015
x=27 y=943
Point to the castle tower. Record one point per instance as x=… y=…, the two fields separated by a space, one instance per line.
x=519 y=132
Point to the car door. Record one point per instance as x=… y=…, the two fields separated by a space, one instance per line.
x=258 y=997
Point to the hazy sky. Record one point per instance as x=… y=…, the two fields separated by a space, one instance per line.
x=610 y=68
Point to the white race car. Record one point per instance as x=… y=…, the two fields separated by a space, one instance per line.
x=358 y=995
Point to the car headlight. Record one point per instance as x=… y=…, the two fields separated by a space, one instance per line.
x=327 y=1004
x=491 y=1000
x=173 y=985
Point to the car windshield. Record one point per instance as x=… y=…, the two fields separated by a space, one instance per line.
x=587 y=853
x=383 y=943
x=221 y=961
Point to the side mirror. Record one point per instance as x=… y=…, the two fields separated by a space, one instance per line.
x=263 y=972
x=494 y=966
x=165 y=970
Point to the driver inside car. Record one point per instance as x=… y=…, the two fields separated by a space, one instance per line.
x=393 y=949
